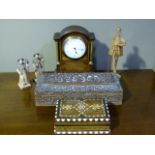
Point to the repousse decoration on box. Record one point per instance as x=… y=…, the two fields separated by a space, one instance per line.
x=54 y=86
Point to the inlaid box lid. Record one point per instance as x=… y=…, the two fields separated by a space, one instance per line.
x=82 y=111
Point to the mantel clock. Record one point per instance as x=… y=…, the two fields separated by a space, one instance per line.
x=74 y=49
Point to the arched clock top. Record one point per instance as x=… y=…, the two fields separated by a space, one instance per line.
x=74 y=29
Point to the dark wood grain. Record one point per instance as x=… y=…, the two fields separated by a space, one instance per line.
x=19 y=115
x=137 y=114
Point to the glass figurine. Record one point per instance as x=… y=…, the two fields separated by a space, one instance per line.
x=22 y=70
x=38 y=64
x=116 y=49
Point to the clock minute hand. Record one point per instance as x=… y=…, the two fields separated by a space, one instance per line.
x=79 y=49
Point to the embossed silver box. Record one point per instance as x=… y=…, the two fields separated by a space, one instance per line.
x=54 y=86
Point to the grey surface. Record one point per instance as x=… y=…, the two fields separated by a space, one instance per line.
x=23 y=38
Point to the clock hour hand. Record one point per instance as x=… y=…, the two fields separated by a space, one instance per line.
x=75 y=50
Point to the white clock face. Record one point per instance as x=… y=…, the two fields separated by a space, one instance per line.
x=74 y=47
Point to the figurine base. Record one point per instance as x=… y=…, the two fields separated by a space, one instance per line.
x=23 y=86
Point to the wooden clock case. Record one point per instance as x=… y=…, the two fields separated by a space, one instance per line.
x=66 y=64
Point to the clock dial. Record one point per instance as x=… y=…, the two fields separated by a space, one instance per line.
x=74 y=47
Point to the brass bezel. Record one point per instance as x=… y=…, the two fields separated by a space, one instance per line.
x=77 y=37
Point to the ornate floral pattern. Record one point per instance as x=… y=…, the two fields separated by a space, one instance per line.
x=78 y=108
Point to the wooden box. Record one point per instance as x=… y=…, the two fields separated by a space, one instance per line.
x=89 y=116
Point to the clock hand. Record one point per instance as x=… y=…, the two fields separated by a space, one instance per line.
x=78 y=49
x=75 y=50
